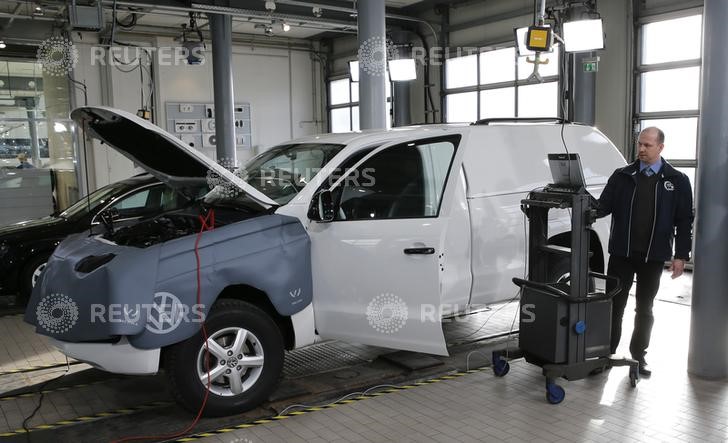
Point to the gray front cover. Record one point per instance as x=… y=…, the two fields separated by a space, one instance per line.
x=270 y=253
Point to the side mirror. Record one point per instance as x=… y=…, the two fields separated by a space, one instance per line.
x=322 y=207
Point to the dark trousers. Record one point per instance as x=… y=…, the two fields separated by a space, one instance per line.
x=648 y=282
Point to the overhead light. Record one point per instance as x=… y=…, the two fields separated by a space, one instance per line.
x=583 y=35
x=354 y=70
x=31 y=84
x=402 y=70
x=59 y=127
x=2 y=44
x=317 y=11
x=286 y=27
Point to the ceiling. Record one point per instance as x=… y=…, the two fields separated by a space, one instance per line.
x=169 y=15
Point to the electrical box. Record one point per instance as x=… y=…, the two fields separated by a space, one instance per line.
x=194 y=124
x=86 y=16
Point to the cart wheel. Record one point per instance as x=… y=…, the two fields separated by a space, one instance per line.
x=501 y=367
x=554 y=393
x=633 y=377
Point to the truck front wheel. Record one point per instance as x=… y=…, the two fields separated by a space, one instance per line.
x=244 y=357
x=559 y=271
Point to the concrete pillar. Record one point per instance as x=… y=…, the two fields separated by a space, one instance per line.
x=222 y=80
x=401 y=90
x=583 y=90
x=401 y=103
x=583 y=84
x=372 y=65
x=708 y=354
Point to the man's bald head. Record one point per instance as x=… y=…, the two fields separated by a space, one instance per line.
x=650 y=144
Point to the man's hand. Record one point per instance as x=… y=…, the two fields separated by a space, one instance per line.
x=677 y=267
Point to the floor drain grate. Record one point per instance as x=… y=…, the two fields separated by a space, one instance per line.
x=318 y=358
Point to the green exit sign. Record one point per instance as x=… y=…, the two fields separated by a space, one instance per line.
x=591 y=66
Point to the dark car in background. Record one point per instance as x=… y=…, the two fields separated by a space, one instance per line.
x=26 y=246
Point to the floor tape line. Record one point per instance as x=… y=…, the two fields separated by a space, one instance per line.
x=412 y=385
x=87 y=418
x=38 y=368
x=58 y=389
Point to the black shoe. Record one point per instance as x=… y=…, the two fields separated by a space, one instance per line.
x=644 y=369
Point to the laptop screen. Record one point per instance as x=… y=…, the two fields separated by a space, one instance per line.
x=566 y=170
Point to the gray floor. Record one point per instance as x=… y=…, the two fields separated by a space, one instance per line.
x=669 y=406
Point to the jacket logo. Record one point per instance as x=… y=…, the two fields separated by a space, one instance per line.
x=295 y=293
x=669 y=186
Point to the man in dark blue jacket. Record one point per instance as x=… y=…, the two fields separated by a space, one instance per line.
x=651 y=204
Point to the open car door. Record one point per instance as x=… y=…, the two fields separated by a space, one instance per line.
x=377 y=265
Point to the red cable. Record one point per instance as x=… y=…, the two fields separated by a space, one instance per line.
x=209 y=218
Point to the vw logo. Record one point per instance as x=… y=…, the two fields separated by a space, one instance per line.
x=165 y=314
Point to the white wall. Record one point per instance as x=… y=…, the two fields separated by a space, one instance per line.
x=278 y=83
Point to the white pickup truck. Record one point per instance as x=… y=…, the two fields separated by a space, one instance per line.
x=366 y=237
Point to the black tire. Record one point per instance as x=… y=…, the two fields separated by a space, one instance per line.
x=26 y=277
x=559 y=270
x=183 y=359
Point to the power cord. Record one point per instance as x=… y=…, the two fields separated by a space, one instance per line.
x=300 y=406
x=41 y=391
x=208 y=224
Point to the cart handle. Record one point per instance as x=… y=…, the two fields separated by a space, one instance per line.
x=559 y=293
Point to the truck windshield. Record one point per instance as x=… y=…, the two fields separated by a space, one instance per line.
x=281 y=172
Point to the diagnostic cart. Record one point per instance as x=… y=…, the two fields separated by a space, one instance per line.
x=564 y=326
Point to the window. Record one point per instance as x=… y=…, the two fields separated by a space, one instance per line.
x=494 y=84
x=134 y=201
x=669 y=85
x=148 y=202
x=404 y=181
x=344 y=105
x=36 y=134
x=281 y=172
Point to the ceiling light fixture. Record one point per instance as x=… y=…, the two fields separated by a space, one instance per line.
x=402 y=70
x=2 y=44
x=286 y=27
x=583 y=35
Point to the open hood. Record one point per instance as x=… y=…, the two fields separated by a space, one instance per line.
x=157 y=151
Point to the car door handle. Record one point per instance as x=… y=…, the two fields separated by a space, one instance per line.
x=422 y=251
